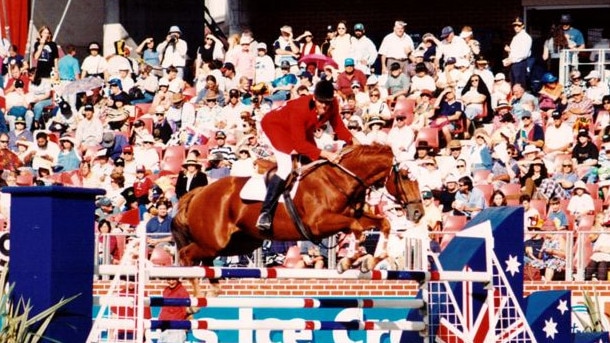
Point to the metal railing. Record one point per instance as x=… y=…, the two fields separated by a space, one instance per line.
x=578 y=59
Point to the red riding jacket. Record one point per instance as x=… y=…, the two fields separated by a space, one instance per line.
x=291 y=127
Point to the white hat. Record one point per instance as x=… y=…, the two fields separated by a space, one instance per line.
x=160 y=109
x=451 y=178
x=580 y=184
x=148 y=138
x=372 y=80
x=68 y=139
x=465 y=34
x=500 y=76
x=175 y=29
x=261 y=46
x=245 y=40
x=593 y=74
x=529 y=149
x=286 y=29
x=461 y=62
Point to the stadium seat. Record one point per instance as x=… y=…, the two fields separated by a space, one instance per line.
x=293 y=257
x=540 y=205
x=487 y=190
x=479 y=176
x=430 y=135
x=451 y=225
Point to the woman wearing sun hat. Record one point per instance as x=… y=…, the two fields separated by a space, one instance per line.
x=190 y=177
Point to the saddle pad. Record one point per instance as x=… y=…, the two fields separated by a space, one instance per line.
x=255 y=189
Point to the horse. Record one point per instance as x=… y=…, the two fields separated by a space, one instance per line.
x=214 y=221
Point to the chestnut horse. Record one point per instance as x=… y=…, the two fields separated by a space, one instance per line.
x=214 y=221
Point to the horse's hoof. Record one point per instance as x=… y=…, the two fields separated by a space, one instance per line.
x=342 y=266
x=367 y=264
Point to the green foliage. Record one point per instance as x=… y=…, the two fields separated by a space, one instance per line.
x=15 y=324
x=594 y=323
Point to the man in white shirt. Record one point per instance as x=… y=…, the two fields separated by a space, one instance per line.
x=450 y=46
x=89 y=130
x=364 y=51
x=557 y=140
x=396 y=47
x=173 y=50
x=519 y=50
x=596 y=89
x=402 y=140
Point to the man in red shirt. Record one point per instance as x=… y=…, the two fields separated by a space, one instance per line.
x=291 y=128
x=348 y=77
x=174 y=289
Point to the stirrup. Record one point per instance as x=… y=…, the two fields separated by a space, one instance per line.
x=263 y=223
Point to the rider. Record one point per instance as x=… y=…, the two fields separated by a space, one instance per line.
x=291 y=128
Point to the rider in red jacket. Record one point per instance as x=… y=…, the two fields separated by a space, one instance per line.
x=290 y=129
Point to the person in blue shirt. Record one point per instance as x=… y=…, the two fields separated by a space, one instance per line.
x=282 y=86
x=469 y=201
x=159 y=227
x=68 y=159
x=556 y=215
x=68 y=66
x=575 y=38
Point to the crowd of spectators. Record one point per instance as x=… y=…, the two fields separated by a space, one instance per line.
x=472 y=134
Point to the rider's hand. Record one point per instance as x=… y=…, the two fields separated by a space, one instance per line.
x=330 y=156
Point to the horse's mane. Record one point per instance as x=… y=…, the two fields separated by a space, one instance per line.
x=361 y=153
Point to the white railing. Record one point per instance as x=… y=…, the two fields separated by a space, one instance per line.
x=578 y=59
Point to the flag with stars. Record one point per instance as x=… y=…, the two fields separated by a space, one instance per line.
x=548 y=313
x=479 y=311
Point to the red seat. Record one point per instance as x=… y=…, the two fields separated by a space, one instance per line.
x=479 y=176
x=404 y=107
x=148 y=124
x=451 y=225
x=540 y=205
x=293 y=257
x=593 y=189
x=189 y=93
x=142 y=109
x=172 y=164
x=511 y=189
x=487 y=190
x=430 y=135
x=160 y=257
x=175 y=151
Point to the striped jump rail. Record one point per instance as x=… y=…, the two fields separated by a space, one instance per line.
x=274 y=325
x=291 y=273
x=267 y=302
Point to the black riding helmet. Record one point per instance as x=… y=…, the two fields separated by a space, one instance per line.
x=324 y=91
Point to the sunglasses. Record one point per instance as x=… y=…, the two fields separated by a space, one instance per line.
x=159 y=114
x=352 y=127
x=3 y=141
x=400 y=118
x=211 y=100
x=375 y=94
x=461 y=166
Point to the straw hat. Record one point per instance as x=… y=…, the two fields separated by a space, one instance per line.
x=191 y=162
x=375 y=120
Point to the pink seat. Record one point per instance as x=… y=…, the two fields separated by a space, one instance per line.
x=430 y=135
x=451 y=225
x=293 y=257
x=160 y=257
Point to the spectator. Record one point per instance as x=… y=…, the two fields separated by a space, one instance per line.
x=402 y=139
x=313 y=256
x=374 y=132
x=555 y=142
x=218 y=167
x=105 y=208
x=341 y=45
x=421 y=81
x=574 y=36
x=363 y=49
x=148 y=53
x=586 y=155
x=597 y=89
x=518 y=52
x=282 y=85
x=532 y=179
x=556 y=42
x=553 y=255
x=423 y=111
x=286 y=48
x=172 y=51
x=476 y=100
x=162 y=130
x=114 y=143
x=68 y=158
x=561 y=184
x=146 y=86
x=330 y=34
x=107 y=243
x=597 y=268
x=428 y=175
x=174 y=289
x=531 y=216
x=398 y=83
x=264 y=70
x=451 y=45
x=211 y=50
x=158 y=228
x=448 y=114
x=348 y=77
x=533 y=253
x=94 y=65
x=497 y=199
x=480 y=152
x=9 y=160
x=45 y=55
x=19 y=132
x=529 y=133
x=556 y=215
x=190 y=177
x=579 y=110
x=469 y=201
x=377 y=107
x=141 y=186
x=581 y=202
x=448 y=193
x=395 y=48
x=244 y=166
x=147 y=155
x=432 y=213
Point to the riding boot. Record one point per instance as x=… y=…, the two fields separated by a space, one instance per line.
x=274 y=190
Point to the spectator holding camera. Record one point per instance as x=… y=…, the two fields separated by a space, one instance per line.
x=172 y=51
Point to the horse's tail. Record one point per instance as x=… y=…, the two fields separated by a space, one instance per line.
x=180 y=228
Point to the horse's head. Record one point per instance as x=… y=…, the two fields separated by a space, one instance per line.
x=371 y=163
x=406 y=192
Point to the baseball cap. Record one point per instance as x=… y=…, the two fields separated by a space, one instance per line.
x=128 y=149
x=359 y=27
x=89 y=107
x=447 y=30
x=349 y=62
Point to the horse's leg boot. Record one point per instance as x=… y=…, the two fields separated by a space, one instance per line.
x=274 y=190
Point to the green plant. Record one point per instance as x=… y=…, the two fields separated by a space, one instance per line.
x=15 y=324
x=595 y=322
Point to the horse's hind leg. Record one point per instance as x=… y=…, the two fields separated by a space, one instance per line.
x=189 y=256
